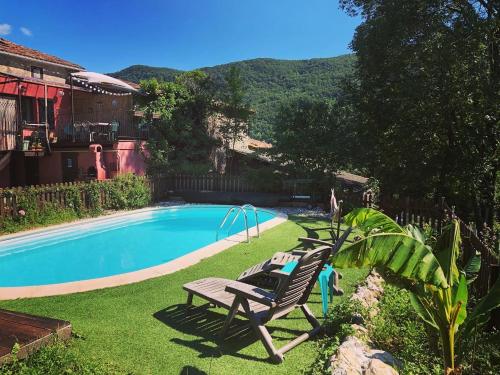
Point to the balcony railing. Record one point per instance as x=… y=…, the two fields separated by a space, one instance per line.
x=91 y=129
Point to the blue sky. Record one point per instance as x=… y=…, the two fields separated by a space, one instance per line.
x=109 y=35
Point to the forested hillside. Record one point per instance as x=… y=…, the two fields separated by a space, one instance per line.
x=268 y=82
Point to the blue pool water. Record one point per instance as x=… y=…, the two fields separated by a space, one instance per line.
x=114 y=246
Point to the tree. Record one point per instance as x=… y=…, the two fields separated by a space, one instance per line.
x=427 y=99
x=179 y=138
x=311 y=137
x=430 y=270
x=160 y=99
x=236 y=113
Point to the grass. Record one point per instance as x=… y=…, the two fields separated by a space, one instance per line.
x=143 y=327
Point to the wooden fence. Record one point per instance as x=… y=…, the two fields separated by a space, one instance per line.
x=206 y=182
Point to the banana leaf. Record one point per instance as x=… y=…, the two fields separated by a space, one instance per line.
x=398 y=252
x=460 y=295
x=472 y=267
x=481 y=313
x=447 y=251
x=423 y=309
x=368 y=219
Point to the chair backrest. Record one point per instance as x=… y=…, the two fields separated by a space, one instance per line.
x=297 y=287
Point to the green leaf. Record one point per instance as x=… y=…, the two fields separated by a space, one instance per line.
x=447 y=250
x=400 y=253
x=472 y=267
x=480 y=314
x=422 y=310
x=415 y=232
x=460 y=295
x=368 y=219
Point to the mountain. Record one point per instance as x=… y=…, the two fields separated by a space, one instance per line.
x=268 y=82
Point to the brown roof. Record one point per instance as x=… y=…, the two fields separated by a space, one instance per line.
x=352 y=178
x=135 y=85
x=251 y=147
x=9 y=47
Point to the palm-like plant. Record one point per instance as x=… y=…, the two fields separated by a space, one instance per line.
x=437 y=285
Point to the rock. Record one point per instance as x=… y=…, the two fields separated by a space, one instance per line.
x=385 y=357
x=350 y=358
x=359 y=330
x=377 y=367
x=353 y=356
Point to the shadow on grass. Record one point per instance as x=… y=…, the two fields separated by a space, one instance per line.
x=310 y=225
x=190 y=370
x=206 y=325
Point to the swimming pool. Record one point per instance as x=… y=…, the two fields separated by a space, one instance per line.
x=113 y=246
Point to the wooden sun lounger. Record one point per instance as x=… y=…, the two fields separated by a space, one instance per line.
x=261 y=306
x=259 y=274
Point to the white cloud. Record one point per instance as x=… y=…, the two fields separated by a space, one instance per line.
x=5 y=29
x=26 y=31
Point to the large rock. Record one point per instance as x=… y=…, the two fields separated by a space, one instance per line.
x=377 y=367
x=354 y=357
x=369 y=293
x=350 y=358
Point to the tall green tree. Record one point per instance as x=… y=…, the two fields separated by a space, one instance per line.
x=311 y=137
x=427 y=97
x=236 y=112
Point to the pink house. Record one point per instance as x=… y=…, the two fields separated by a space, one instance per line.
x=60 y=123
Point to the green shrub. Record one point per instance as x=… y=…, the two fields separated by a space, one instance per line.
x=55 y=360
x=337 y=326
x=82 y=200
x=400 y=331
x=482 y=353
x=128 y=191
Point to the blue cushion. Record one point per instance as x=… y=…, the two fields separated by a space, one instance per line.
x=290 y=266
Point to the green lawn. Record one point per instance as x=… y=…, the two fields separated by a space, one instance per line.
x=144 y=328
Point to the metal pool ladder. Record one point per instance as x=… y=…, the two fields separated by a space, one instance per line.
x=240 y=209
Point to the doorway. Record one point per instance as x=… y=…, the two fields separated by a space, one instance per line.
x=69 y=162
x=32 y=170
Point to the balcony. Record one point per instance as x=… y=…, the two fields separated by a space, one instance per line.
x=93 y=129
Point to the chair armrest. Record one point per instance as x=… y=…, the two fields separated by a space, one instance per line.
x=251 y=292
x=315 y=241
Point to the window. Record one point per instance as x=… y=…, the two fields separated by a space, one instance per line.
x=27 y=109
x=37 y=72
x=50 y=112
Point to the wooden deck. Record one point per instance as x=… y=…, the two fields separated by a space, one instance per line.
x=30 y=331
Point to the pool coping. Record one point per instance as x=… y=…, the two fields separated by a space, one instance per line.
x=187 y=260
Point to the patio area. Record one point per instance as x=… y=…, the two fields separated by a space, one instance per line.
x=145 y=328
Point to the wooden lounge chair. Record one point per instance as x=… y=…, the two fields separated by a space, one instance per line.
x=259 y=274
x=261 y=306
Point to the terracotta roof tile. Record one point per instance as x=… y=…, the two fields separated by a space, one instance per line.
x=16 y=49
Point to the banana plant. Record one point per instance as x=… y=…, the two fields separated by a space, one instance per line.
x=437 y=286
